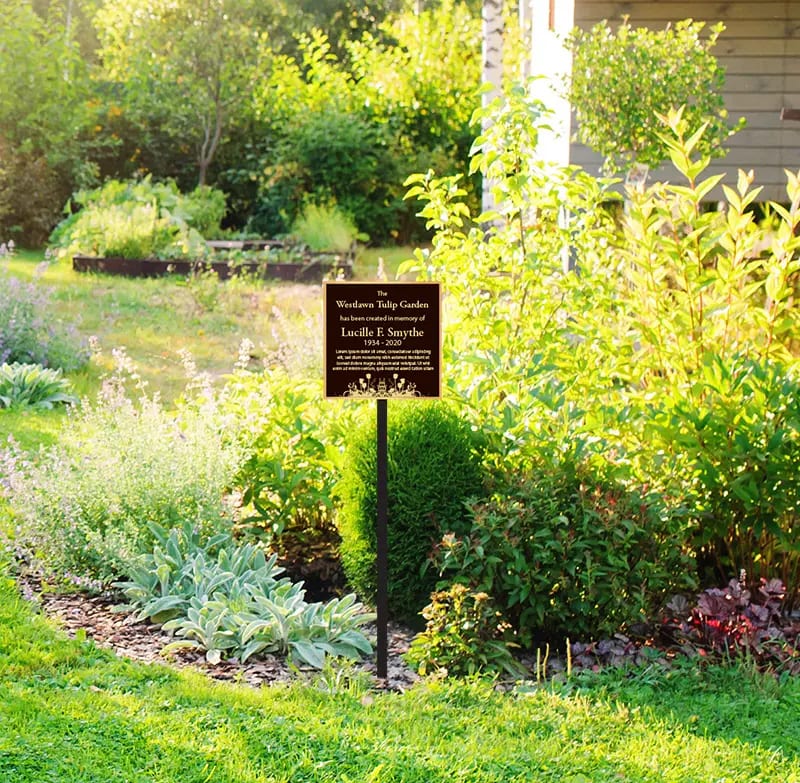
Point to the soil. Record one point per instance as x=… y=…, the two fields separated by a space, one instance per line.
x=95 y=617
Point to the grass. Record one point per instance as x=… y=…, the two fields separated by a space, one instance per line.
x=154 y=319
x=75 y=714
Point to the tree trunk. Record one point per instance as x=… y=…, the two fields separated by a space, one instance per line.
x=492 y=18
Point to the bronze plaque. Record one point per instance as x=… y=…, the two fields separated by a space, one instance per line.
x=382 y=340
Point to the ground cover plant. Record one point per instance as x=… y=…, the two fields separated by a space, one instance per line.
x=71 y=712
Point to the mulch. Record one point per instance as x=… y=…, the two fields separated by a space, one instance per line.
x=96 y=617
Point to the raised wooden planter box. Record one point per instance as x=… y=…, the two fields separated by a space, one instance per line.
x=313 y=268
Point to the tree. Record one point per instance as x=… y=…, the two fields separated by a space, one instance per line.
x=186 y=64
x=623 y=81
x=45 y=117
x=492 y=75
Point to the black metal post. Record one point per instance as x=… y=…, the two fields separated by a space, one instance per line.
x=382 y=535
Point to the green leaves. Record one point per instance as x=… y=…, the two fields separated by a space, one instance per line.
x=228 y=601
x=465 y=634
x=646 y=74
x=33 y=386
x=141 y=219
x=564 y=551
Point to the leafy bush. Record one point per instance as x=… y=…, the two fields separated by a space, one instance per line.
x=32 y=190
x=566 y=553
x=233 y=604
x=33 y=386
x=141 y=219
x=731 y=623
x=645 y=73
x=734 y=444
x=28 y=335
x=464 y=635
x=594 y=371
x=350 y=126
x=288 y=480
x=336 y=156
x=85 y=505
x=433 y=467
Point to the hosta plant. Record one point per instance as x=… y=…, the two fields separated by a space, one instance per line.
x=33 y=386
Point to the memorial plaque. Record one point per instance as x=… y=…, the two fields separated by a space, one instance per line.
x=382 y=340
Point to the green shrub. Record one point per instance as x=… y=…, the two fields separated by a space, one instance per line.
x=566 y=553
x=293 y=438
x=553 y=365
x=85 y=505
x=32 y=190
x=141 y=219
x=734 y=446
x=464 y=635
x=645 y=73
x=33 y=386
x=338 y=156
x=433 y=468
x=228 y=601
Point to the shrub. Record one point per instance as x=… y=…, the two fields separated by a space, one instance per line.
x=433 y=468
x=85 y=505
x=645 y=74
x=734 y=445
x=464 y=635
x=228 y=601
x=28 y=335
x=288 y=480
x=566 y=553
x=141 y=219
x=33 y=386
x=606 y=358
x=32 y=190
x=332 y=155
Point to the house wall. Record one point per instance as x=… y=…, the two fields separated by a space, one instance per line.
x=760 y=50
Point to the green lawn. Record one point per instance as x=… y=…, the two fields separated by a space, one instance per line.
x=73 y=714
x=154 y=319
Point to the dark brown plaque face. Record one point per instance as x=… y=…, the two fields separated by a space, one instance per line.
x=382 y=340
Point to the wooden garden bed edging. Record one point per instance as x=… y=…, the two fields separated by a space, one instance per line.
x=313 y=269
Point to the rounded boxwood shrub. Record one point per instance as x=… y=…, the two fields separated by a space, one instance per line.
x=433 y=468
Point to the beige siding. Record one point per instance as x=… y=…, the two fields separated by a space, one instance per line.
x=760 y=50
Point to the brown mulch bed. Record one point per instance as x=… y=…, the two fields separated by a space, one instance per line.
x=95 y=616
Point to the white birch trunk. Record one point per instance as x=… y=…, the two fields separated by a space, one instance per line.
x=492 y=18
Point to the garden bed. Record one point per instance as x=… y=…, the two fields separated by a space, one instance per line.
x=309 y=268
